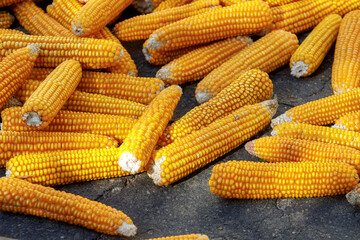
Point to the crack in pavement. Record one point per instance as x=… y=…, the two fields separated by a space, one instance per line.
x=117 y=186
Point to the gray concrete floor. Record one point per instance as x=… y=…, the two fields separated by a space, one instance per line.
x=189 y=207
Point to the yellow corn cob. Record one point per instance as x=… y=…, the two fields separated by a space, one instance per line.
x=4 y=3
x=88 y=102
x=285 y=149
x=20 y=196
x=220 y=23
x=318 y=133
x=184 y=237
x=345 y=69
x=350 y=122
x=145 y=6
x=138 y=89
x=65 y=10
x=251 y=87
x=141 y=27
x=353 y=196
x=302 y=15
x=96 y=14
x=272 y=3
x=47 y=100
x=14 y=69
x=114 y=126
x=345 y=6
x=16 y=143
x=323 y=111
x=194 y=151
x=37 y=22
x=6 y=19
x=258 y=180
x=267 y=54
x=198 y=63
x=135 y=152
x=312 y=51
x=167 y=4
x=11 y=32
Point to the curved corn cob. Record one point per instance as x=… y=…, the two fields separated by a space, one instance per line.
x=135 y=152
x=141 y=27
x=14 y=69
x=167 y=4
x=4 y=3
x=353 y=196
x=20 y=196
x=220 y=23
x=318 y=133
x=6 y=19
x=88 y=102
x=267 y=54
x=323 y=111
x=285 y=149
x=37 y=22
x=251 y=87
x=91 y=53
x=17 y=143
x=47 y=100
x=145 y=6
x=350 y=122
x=198 y=63
x=96 y=14
x=114 y=126
x=199 y=148
x=272 y=3
x=302 y=15
x=312 y=51
x=245 y=179
x=345 y=6
x=345 y=69
x=184 y=237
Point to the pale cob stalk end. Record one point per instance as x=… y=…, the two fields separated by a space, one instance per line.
x=353 y=197
x=128 y=162
x=147 y=55
x=272 y=105
x=249 y=147
x=8 y=173
x=245 y=39
x=131 y=73
x=34 y=49
x=77 y=30
x=155 y=170
x=32 y=119
x=339 y=126
x=127 y=230
x=164 y=73
x=203 y=237
x=203 y=96
x=153 y=43
x=299 y=69
x=283 y=118
x=274 y=133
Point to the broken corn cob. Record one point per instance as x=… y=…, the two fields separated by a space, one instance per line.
x=323 y=111
x=345 y=67
x=349 y=122
x=187 y=154
x=141 y=27
x=88 y=102
x=6 y=19
x=267 y=54
x=312 y=51
x=167 y=4
x=196 y=64
x=258 y=180
x=220 y=23
x=285 y=149
x=16 y=143
x=183 y=237
x=251 y=87
x=96 y=14
x=14 y=69
x=20 y=196
x=145 y=6
x=47 y=100
x=114 y=126
x=135 y=152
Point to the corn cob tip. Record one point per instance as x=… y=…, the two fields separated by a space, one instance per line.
x=246 y=40
x=129 y=163
x=127 y=230
x=353 y=196
x=299 y=69
x=152 y=43
x=32 y=119
x=272 y=105
x=77 y=30
x=154 y=171
x=203 y=96
x=249 y=147
x=274 y=133
x=147 y=55
x=283 y=118
x=131 y=73
x=34 y=49
x=339 y=126
x=164 y=73
x=8 y=173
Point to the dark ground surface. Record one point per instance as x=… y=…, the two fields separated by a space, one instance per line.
x=189 y=207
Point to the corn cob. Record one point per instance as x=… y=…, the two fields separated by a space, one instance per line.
x=135 y=152
x=267 y=54
x=198 y=63
x=353 y=196
x=91 y=53
x=96 y=14
x=114 y=126
x=4 y=3
x=345 y=6
x=37 y=22
x=350 y=122
x=318 y=133
x=6 y=19
x=312 y=51
x=11 y=32
x=285 y=149
x=141 y=27
x=20 y=196
x=14 y=69
x=145 y=6
x=184 y=237
x=220 y=23
x=345 y=69
x=88 y=102
x=272 y=3
x=258 y=180
x=16 y=143
x=323 y=111
x=65 y=10
x=138 y=89
x=302 y=15
x=47 y=100
x=167 y=4
x=199 y=148
x=251 y=87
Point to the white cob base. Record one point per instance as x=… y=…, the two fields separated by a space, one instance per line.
x=155 y=170
x=129 y=163
x=127 y=230
x=32 y=119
